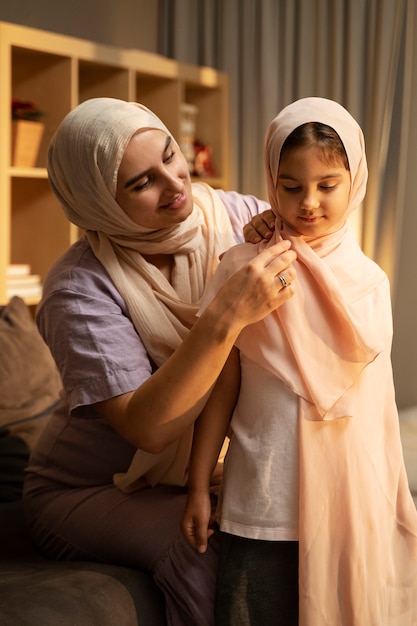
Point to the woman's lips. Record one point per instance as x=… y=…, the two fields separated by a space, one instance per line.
x=177 y=202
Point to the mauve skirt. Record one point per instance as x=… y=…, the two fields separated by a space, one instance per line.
x=139 y=530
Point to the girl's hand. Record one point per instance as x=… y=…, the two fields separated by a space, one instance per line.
x=260 y=227
x=197 y=519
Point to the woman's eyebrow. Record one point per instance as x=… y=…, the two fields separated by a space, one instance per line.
x=137 y=177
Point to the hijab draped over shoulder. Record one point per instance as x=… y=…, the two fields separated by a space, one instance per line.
x=330 y=343
x=83 y=163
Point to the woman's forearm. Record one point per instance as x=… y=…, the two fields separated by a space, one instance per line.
x=172 y=398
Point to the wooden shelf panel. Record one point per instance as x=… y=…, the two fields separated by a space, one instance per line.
x=28 y=172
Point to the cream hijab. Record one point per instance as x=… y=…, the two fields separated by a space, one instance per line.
x=83 y=161
x=330 y=343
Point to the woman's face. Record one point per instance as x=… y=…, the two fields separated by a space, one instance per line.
x=153 y=183
x=313 y=196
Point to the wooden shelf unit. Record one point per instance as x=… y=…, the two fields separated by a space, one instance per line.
x=58 y=72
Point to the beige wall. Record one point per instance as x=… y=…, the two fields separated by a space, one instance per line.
x=122 y=23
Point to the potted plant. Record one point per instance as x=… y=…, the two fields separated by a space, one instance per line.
x=27 y=131
x=25 y=110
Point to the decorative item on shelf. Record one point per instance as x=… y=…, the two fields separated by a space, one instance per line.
x=188 y=115
x=203 y=160
x=27 y=132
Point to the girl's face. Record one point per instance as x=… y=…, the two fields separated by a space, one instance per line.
x=153 y=183
x=313 y=196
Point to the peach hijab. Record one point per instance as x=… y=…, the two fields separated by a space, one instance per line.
x=331 y=345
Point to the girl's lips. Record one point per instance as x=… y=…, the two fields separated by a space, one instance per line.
x=309 y=220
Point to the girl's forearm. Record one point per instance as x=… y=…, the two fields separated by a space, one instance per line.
x=212 y=426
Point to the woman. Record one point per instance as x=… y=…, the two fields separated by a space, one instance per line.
x=119 y=315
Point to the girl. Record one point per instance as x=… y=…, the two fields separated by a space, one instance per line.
x=318 y=523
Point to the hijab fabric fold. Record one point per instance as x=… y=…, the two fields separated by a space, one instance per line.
x=83 y=162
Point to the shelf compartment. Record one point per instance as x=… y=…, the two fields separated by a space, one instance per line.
x=162 y=96
x=210 y=129
x=44 y=79
x=36 y=210
x=101 y=80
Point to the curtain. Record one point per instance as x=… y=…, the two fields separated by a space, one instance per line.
x=360 y=53
x=275 y=51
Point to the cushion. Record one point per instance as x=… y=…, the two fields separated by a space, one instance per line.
x=30 y=389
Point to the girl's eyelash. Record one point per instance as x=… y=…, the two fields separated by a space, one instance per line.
x=297 y=189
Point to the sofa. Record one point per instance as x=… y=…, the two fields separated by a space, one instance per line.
x=35 y=591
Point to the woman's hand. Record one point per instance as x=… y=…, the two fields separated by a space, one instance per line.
x=260 y=227
x=257 y=288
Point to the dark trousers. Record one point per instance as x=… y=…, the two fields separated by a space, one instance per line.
x=257 y=582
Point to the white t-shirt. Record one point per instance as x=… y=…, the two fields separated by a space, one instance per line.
x=259 y=497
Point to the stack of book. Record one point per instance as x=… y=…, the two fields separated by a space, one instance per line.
x=21 y=282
